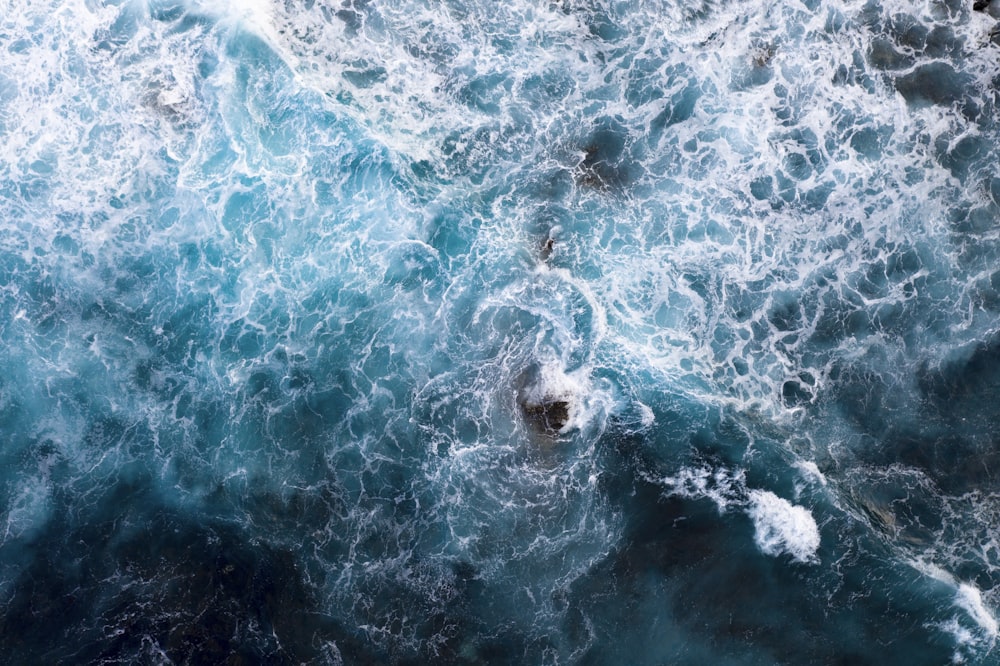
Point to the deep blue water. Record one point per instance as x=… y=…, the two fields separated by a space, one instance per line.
x=575 y=332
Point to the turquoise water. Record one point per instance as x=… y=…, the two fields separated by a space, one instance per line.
x=524 y=333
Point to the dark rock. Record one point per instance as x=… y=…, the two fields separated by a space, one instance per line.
x=548 y=416
x=548 y=247
x=544 y=411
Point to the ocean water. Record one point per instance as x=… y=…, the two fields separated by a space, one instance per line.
x=536 y=332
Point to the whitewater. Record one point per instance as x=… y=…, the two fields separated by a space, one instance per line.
x=537 y=332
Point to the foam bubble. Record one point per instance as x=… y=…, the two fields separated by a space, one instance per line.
x=783 y=527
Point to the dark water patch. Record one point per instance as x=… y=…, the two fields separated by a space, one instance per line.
x=681 y=92
x=452 y=235
x=165 y=11
x=882 y=54
x=241 y=341
x=855 y=74
x=970 y=372
x=942 y=42
x=464 y=152
x=887 y=294
x=957 y=464
x=936 y=418
x=960 y=394
x=153 y=374
x=119 y=33
x=353 y=13
x=935 y=83
x=289 y=513
x=718 y=599
x=986 y=293
x=644 y=84
x=363 y=76
x=908 y=31
x=972 y=226
x=961 y=157
x=549 y=89
x=864 y=397
x=262 y=389
x=799 y=391
x=431 y=611
x=607 y=160
x=245 y=207
x=198 y=592
x=868 y=142
x=412 y=267
x=40 y=296
x=483 y=93
x=787 y=191
x=762 y=188
x=186 y=330
x=307 y=412
x=785 y=314
x=600 y=20
x=902 y=40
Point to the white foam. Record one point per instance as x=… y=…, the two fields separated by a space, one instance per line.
x=648 y=418
x=723 y=487
x=970 y=599
x=783 y=527
x=584 y=402
x=811 y=471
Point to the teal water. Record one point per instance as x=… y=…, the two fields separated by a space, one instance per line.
x=580 y=332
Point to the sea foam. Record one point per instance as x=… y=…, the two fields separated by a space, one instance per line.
x=358 y=332
x=783 y=527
